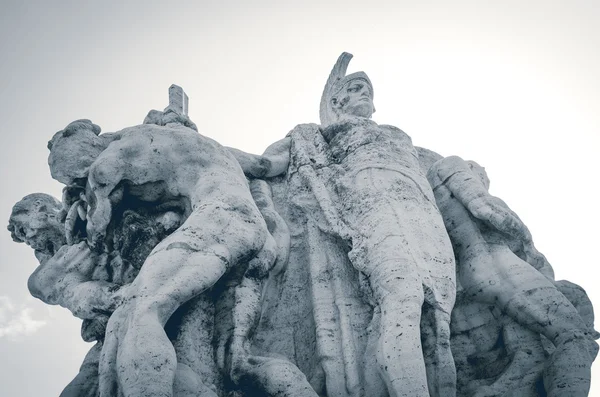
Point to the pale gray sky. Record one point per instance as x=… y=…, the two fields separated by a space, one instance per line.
x=513 y=85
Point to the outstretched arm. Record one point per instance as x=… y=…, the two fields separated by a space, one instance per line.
x=273 y=162
x=468 y=188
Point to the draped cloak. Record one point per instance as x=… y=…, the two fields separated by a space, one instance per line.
x=319 y=313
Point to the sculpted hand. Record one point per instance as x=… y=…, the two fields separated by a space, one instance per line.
x=78 y=258
x=97 y=222
x=253 y=166
x=497 y=213
x=95 y=239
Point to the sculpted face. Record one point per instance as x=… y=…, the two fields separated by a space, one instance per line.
x=34 y=222
x=354 y=99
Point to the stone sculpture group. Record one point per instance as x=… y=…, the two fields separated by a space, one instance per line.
x=343 y=262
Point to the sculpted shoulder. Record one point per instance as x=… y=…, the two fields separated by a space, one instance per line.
x=394 y=129
x=177 y=143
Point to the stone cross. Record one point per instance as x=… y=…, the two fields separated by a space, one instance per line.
x=178 y=100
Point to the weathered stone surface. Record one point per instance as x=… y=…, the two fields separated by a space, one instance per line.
x=480 y=226
x=349 y=264
x=178 y=100
x=361 y=185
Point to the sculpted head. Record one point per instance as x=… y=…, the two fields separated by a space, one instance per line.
x=354 y=99
x=34 y=220
x=346 y=96
x=73 y=150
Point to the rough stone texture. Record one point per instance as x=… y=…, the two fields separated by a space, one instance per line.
x=371 y=222
x=349 y=264
x=489 y=272
x=178 y=100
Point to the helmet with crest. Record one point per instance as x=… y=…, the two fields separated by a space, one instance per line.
x=336 y=81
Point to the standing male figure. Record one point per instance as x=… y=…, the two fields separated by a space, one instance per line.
x=481 y=228
x=378 y=198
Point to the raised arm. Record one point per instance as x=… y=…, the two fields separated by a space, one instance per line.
x=273 y=162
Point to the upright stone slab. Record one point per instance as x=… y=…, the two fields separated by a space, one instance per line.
x=178 y=100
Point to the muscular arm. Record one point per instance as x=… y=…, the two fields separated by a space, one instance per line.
x=273 y=162
x=65 y=280
x=466 y=186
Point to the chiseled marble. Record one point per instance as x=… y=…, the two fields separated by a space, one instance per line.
x=343 y=262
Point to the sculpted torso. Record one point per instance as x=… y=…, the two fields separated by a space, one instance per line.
x=223 y=229
x=159 y=164
x=365 y=144
x=380 y=188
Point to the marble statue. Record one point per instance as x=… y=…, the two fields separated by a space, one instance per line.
x=377 y=198
x=479 y=226
x=71 y=276
x=147 y=166
x=342 y=262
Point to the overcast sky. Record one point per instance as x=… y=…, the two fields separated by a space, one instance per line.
x=513 y=85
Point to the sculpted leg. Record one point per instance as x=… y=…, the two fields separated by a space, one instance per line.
x=86 y=381
x=548 y=312
x=259 y=375
x=108 y=384
x=145 y=358
x=435 y=333
x=374 y=385
x=399 y=355
x=185 y=264
x=525 y=367
x=399 y=293
x=535 y=303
